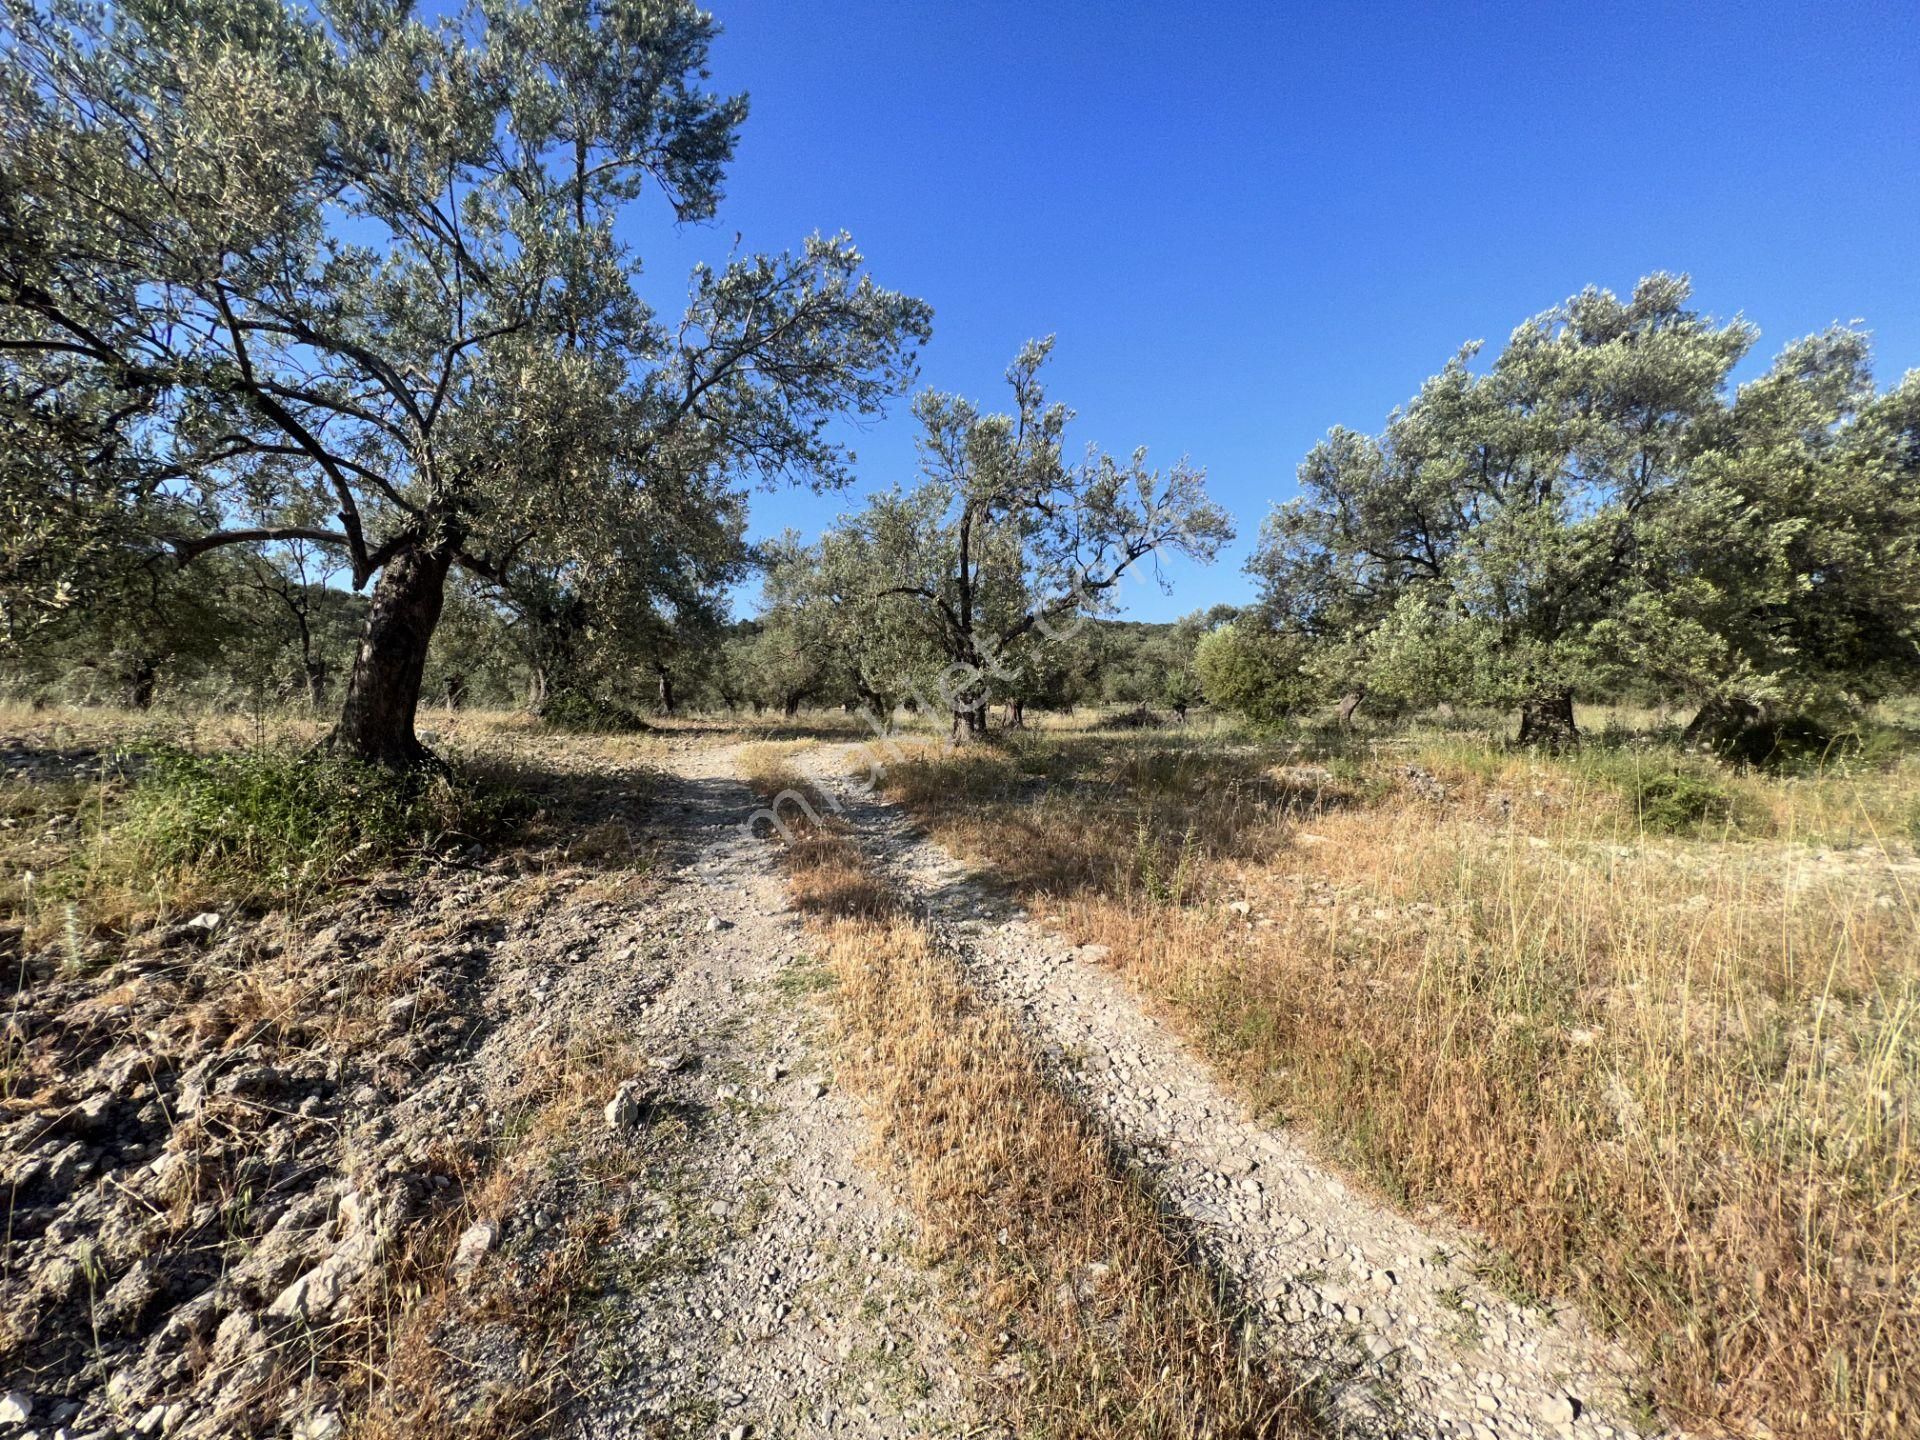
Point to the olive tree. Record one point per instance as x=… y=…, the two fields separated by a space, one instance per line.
x=1782 y=577
x=1005 y=545
x=628 y=595
x=361 y=273
x=1246 y=668
x=1483 y=545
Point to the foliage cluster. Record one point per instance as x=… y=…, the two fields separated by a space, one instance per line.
x=352 y=277
x=586 y=714
x=977 y=585
x=1600 y=510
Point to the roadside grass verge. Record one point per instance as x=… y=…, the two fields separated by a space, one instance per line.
x=1669 y=1068
x=176 y=831
x=112 y=822
x=1088 y=1309
x=431 y=1330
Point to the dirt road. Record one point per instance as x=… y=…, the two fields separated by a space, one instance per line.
x=552 y=1135
x=807 y=1316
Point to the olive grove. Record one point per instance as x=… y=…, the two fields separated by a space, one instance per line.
x=351 y=277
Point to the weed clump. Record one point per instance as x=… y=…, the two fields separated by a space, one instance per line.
x=589 y=715
x=1677 y=802
x=272 y=826
x=1664 y=795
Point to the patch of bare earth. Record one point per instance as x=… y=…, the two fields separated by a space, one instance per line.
x=520 y=1142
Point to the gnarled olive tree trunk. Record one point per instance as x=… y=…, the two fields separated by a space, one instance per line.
x=969 y=722
x=1546 y=721
x=879 y=706
x=383 y=693
x=143 y=677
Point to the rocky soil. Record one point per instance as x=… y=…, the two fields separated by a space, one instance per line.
x=504 y=1143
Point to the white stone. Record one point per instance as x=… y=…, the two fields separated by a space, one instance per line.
x=474 y=1243
x=319 y=1292
x=623 y=1110
x=1559 y=1410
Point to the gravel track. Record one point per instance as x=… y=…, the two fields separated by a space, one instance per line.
x=809 y=1317
x=1386 y=1317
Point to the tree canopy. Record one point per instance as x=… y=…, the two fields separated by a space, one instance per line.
x=1601 y=503
x=347 y=276
x=987 y=563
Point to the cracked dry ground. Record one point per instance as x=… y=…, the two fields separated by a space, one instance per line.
x=548 y=1142
x=529 y=1143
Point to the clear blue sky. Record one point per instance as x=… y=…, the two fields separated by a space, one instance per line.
x=1247 y=225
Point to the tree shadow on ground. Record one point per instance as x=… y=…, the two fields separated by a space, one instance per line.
x=1112 y=816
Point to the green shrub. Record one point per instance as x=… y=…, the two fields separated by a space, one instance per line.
x=584 y=714
x=275 y=826
x=1666 y=797
x=1873 y=746
x=1675 y=802
x=1256 y=674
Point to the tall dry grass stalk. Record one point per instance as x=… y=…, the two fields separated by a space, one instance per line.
x=1673 y=1079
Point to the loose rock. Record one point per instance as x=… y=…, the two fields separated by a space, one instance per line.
x=629 y=1103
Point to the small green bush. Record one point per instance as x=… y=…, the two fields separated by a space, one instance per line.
x=277 y=825
x=1255 y=674
x=1675 y=802
x=1665 y=797
x=584 y=714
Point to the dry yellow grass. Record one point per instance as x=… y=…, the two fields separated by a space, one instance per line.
x=1086 y=1306
x=1674 y=1079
